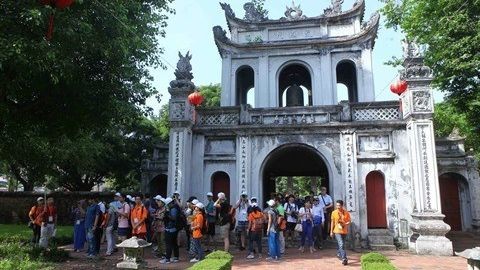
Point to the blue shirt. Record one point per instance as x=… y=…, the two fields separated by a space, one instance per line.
x=92 y=211
x=210 y=210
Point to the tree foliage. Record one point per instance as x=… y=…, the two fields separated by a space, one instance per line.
x=451 y=31
x=68 y=106
x=211 y=94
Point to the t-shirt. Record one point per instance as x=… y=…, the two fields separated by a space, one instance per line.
x=242 y=214
x=281 y=210
x=317 y=210
x=340 y=221
x=198 y=221
x=290 y=207
x=274 y=225
x=112 y=215
x=36 y=213
x=123 y=221
x=90 y=215
x=224 y=213
x=308 y=214
x=210 y=209
x=327 y=200
x=139 y=217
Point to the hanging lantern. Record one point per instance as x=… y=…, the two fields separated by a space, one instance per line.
x=399 y=87
x=62 y=4
x=58 y=4
x=195 y=98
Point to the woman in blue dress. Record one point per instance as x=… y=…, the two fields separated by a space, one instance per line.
x=79 y=237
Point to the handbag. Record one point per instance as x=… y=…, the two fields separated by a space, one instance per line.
x=298 y=227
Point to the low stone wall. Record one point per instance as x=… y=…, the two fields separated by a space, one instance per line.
x=14 y=206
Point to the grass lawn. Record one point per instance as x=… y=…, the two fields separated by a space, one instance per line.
x=24 y=231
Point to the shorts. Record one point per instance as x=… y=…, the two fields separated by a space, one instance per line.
x=225 y=230
x=241 y=226
x=291 y=226
x=123 y=231
x=211 y=228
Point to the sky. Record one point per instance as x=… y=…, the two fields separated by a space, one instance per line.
x=190 y=29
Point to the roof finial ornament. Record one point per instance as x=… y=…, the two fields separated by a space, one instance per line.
x=294 y=12
x=183 y=73
x=252 y=13
x=228 y=10
x=335 y=9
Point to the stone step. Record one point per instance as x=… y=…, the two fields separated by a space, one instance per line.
x=378 y=232
x=380 y=240
x=382 y=247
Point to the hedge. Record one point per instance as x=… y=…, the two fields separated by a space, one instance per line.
x=218 y=260
x=375 y=261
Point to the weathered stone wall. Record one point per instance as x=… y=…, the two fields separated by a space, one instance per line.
x=14 y=206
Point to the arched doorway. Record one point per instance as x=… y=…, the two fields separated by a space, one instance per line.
x=376 y=203
x=298 y=162
x=454 y=202
x=158 y=185
x=295 y=86
x=347 y=76
x=221 y=183
x=245 y=83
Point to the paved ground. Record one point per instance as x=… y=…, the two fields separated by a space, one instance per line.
x=324 y=259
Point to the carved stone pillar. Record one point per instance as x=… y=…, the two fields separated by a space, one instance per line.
x=427 y=225
x=181 y=122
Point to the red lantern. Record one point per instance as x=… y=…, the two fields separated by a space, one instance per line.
x=61 y=4
x=195 y=98
x=399 y=87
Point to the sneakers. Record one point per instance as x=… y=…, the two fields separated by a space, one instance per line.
x=251 y=256
x=175 y=260
x=165 y=261
x=194 y=260
x=344 y=261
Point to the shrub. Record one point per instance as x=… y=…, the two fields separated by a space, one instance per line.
x=218 y=260
x=220 y=255
x=378 y=266
x=212 y=264
x=26 y=264
x=373 y=257
x=375 y=261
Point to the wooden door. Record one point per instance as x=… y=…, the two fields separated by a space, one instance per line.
x=376 y=203
x=450 y=201
x=221 y=183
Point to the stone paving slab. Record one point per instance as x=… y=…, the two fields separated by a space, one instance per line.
x=323 y=259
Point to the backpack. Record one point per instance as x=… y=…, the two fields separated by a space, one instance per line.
x=257 y=224
x=204 y=228
x=281 y=221
x=181 y=221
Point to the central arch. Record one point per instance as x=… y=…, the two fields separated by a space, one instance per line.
x=293 y=160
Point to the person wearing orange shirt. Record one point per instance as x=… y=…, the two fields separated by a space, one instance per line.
x=340 y=220
x=36 y=219
x=138 y=218
x=196 y=227
x=49 y=223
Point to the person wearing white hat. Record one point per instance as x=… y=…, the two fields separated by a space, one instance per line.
x=171 y=231
x=242 y=206
x=116 y=200
x=224 y=218
x=211 y=213
x=197 y=225
x=273 y=232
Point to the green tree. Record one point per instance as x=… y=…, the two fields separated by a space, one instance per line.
x=91 y=79
x=451 y=31
x=212 y=94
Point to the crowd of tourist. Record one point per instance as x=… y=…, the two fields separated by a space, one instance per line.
x=160 y=220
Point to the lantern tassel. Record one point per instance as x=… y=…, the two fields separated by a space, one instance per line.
x=50 y=27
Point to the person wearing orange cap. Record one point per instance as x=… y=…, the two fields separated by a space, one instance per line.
x=138 y=218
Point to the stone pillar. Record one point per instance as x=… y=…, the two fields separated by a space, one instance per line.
x=427 y=224
x=181 y=122
x=290 y=184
